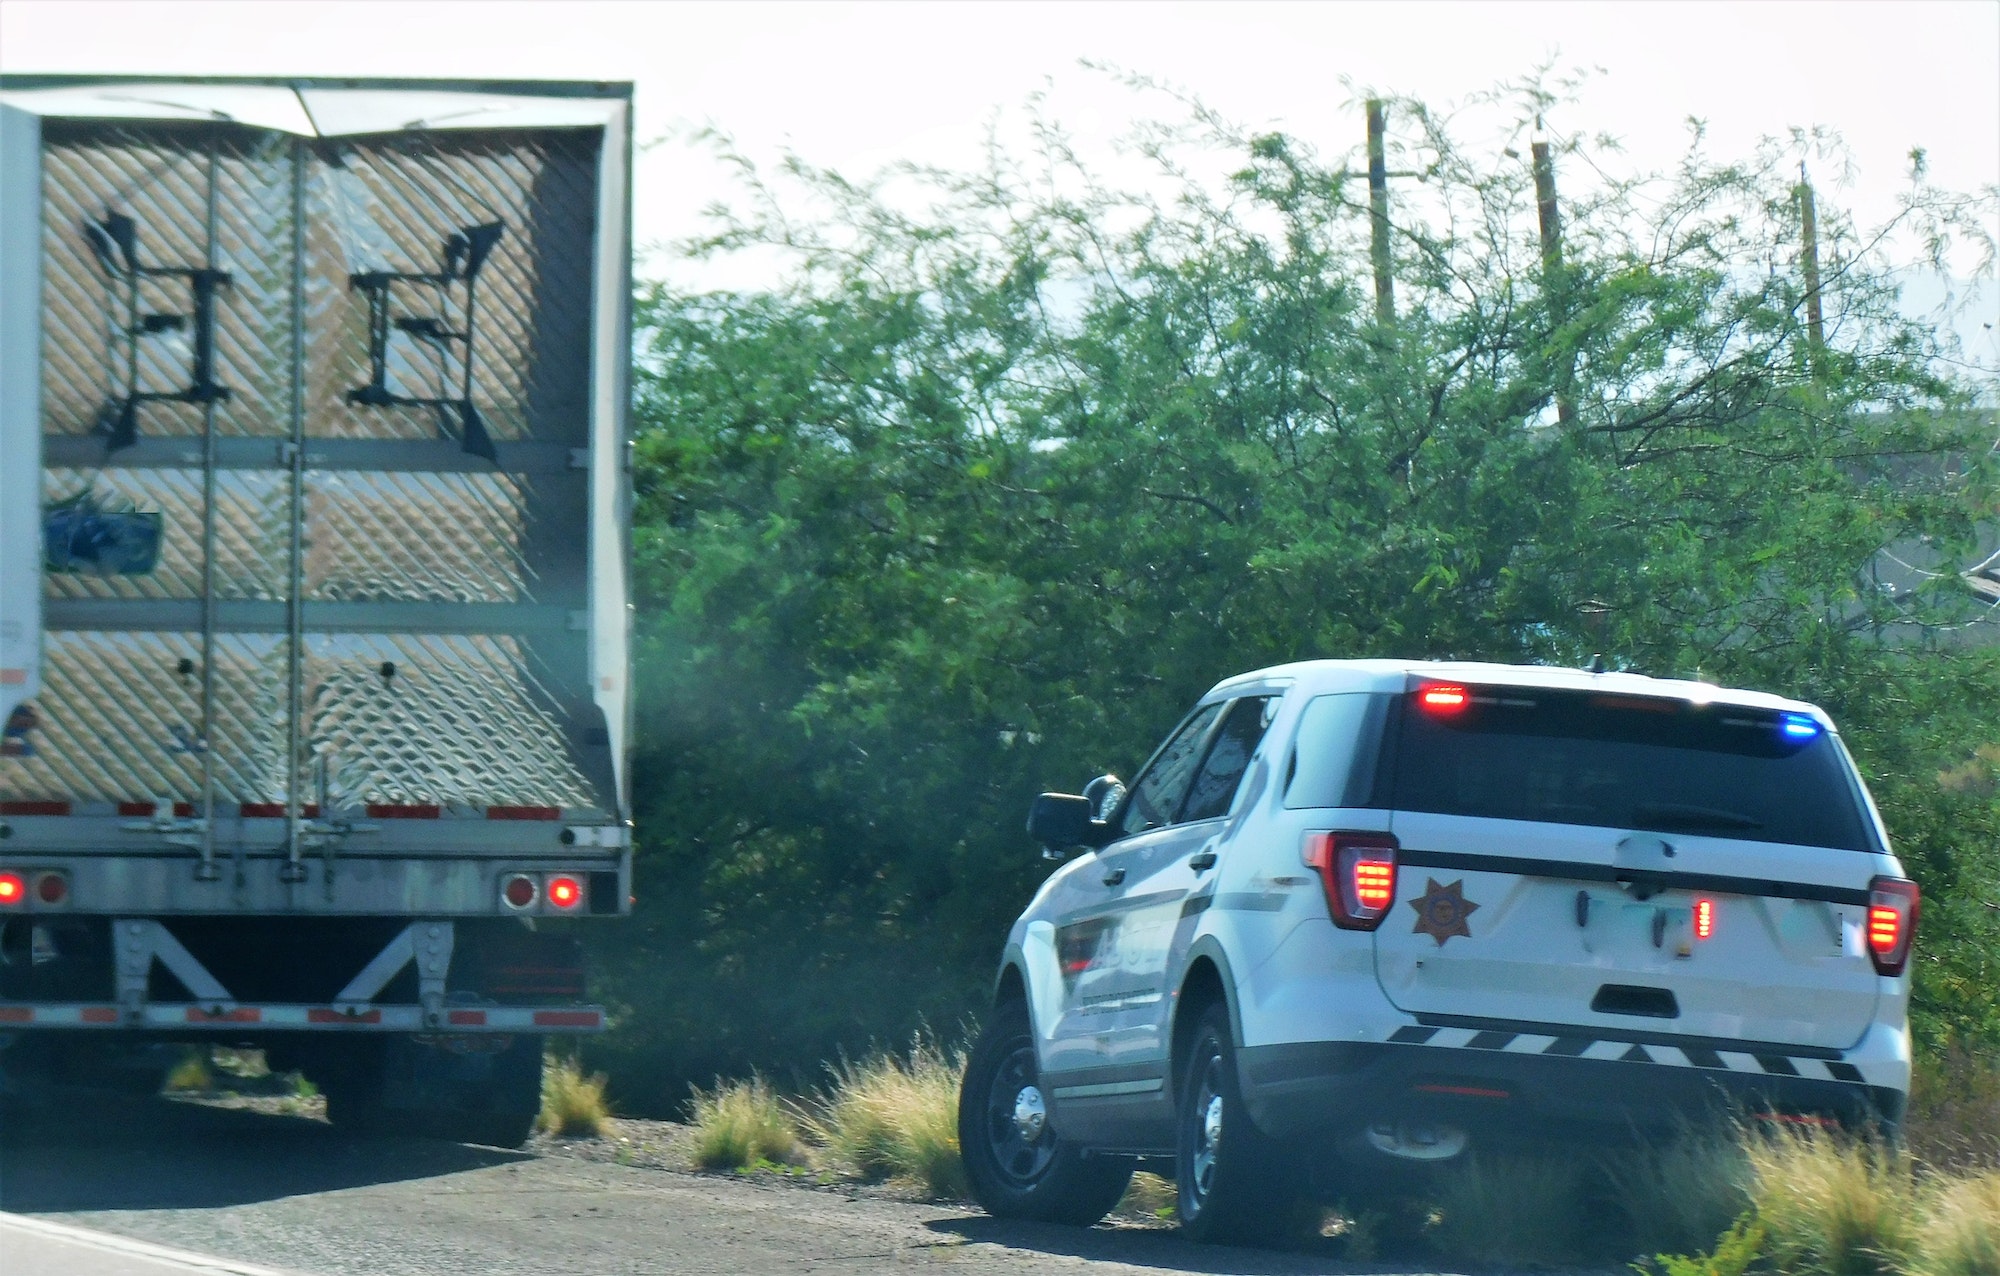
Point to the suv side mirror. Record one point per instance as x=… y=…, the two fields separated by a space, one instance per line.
x=1062 y=820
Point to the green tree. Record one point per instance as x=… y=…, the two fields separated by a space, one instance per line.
x=1016 y=464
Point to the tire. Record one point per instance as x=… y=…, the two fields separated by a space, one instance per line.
x=396 y=1089
x=1014 y=1174
x=1230 y=1179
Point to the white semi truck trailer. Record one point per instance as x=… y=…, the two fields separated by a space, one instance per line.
x=313 y=580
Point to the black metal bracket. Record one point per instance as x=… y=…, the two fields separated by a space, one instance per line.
x=462 y=255
x=114 y=241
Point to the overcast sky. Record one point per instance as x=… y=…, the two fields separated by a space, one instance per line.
x=857 y=85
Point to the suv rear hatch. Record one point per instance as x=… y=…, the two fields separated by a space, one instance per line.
x=1581 y=860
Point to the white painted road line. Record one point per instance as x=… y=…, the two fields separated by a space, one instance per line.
x=38 y=1247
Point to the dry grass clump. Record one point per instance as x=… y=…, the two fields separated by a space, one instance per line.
x=740 y=1125
x=1150 y=1195
x=1834 y=1206
x=1513 y=1210
x=895 y=1116
x=573 y=1104
x=1961 y=1228
x=190 y=1074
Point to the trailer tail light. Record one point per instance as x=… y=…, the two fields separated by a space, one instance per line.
x=52 y=888
x=1704 y=919
x=1358 y=871
x=13 y=890
x=1892 y=923
x=565 y=893
x=519 y=892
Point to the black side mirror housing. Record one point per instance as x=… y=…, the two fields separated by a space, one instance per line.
x=1062 y=820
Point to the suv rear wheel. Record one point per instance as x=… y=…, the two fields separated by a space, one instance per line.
x=1016 y=1162
x=1229 y=1177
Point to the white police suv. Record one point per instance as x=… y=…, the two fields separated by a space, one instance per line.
x=1385 y=911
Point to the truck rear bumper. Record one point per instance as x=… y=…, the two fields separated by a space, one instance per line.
x=1504 y=1087
x=235 y=1017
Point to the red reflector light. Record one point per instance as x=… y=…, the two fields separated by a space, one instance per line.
x=1892 y=923
x=13 y=889
x=1443 y=699
x=519 y=891
x=1704 y=919
x=1358 y=871
x=565 y=892
x=52 y=888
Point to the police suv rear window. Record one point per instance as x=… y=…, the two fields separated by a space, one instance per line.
x=1628 y=762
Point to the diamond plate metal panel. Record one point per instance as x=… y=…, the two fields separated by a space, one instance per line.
x=160 y=175
x=461 y=722
x=116 y=721
x=389 y=204
x=416 y=537
x=465 y=720
x=253 y=530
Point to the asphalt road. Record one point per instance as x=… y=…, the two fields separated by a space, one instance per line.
x=296 y=1195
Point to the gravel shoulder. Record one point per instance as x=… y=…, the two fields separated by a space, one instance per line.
x=265 y=1181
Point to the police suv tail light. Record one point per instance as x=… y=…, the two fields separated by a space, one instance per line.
x=1358 y=871
x=1892 y=923
x=13 y=890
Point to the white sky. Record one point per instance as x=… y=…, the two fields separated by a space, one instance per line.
x=856 y=85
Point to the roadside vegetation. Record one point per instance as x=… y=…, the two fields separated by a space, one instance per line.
x=894 y=1116
x=1015 y=463
x=885 y=1117
x=573 y=1104
x=742 y=1126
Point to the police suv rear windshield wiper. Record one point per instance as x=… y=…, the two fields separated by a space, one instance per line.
x=1673 y=817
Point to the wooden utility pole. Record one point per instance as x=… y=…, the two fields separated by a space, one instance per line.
x=1378 y=216
x=1553 y=282
x=1809 y=237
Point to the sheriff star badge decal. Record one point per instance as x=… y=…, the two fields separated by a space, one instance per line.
x=1442 y=911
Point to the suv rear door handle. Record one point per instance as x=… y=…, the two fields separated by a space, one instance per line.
x=1203 y=862
x=1114 y=877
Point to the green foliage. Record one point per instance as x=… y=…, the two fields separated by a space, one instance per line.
x=1740 y=1246
x=1018 y=464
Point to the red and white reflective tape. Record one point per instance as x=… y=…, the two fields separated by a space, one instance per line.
x=146 y=810
x=176 y=1015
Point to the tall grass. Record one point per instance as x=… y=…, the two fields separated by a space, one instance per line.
x=1954 y=1117
x=895 y=1116
x=1512 y=1209
x=1680 y=1196
x=573 y=1104
x=1833 y=1206
x=740 y=1125
x=1961 y=1233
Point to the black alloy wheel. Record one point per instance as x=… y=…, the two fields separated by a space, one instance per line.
x=1016 y=1162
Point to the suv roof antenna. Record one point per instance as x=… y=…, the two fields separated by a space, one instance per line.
x=1597 y=663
